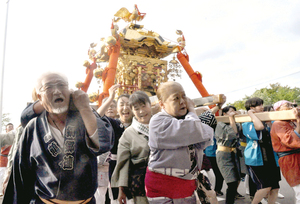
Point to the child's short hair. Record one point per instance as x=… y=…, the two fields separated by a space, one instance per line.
x=253 y=102
x=138 y=97
x=226 y=109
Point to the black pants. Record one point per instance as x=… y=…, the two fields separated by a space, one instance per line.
x=112 y=165
x=231 y=192
x=218 y=175
x=107 y=199
x=252 y=187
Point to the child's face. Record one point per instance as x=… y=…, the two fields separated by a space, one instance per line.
x=175 y=102
x=142 y=112
x=229 y=111
x=258 y=109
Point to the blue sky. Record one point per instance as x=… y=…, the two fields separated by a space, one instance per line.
x=238 y=46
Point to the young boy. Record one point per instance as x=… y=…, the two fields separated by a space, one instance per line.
x=259 y=155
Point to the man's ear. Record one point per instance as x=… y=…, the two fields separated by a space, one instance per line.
x=39 y=97
x=161 y=104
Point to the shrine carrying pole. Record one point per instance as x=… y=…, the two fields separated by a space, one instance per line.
x=264 y=116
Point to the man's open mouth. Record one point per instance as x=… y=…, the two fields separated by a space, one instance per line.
x=58 y=100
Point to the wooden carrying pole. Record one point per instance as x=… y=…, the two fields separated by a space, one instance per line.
x=209 y=100
x=204 y=101
x=264 y=116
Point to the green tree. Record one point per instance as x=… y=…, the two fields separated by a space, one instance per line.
x=5 y=120
x=271 y=95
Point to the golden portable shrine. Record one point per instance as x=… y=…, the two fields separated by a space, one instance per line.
x=134 y=59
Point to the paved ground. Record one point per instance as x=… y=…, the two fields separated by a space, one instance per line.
x=285 y=190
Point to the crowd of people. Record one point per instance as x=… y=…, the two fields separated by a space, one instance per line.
x=129 y=151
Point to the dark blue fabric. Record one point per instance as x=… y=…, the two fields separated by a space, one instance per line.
x=42 y=168
x=27 y=114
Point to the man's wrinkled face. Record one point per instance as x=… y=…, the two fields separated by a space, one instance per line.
x=54 y=94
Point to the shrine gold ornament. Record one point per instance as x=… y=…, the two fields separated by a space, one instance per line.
x=134 y=57
x=86 y=63
x=93 y=97
x=98 y=73
x=79 y=85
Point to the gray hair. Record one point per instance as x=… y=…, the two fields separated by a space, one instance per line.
x=38 y=84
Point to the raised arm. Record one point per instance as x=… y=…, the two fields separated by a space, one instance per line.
x=258 y=125
x=232 y=121
x=219 y=106
x=31 y=111
x=105 y=105
x=81 y=101
x=98 y=128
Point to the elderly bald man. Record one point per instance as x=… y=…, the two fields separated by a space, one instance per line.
x=56 y=158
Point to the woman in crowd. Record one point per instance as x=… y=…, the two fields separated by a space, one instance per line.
x=125 y=118
x=286 y=142
x=133 y=151
x=259 y=155
x=103 y=192
x=269 y=108
x=227 y=136
x=176 y=138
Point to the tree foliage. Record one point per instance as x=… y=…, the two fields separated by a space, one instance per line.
x=271 y=95
x=5 y=120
